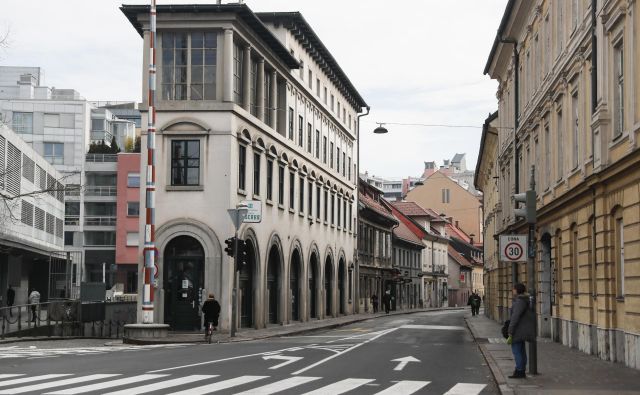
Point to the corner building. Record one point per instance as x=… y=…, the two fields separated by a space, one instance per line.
x=250 y=107
x=568 y=102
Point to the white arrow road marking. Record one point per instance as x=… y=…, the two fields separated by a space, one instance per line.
x=403 y=362
x=283 y=358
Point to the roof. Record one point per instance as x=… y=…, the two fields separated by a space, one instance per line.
x=376 y=207
x=485 y=131
x=457 y=158
x=411 y=209
x=403 y=232
x=295 y=22
x=242 y=10
x=458 y=233
x=496 y=41
x=456 y=256
x=436 y=216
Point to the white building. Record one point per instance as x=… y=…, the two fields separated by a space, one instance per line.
x=105 y=125
x=31 y=219
x=251 y=106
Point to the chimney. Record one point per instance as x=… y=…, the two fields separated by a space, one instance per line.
x=457 y=226
x=450 y=219
x=471 y=238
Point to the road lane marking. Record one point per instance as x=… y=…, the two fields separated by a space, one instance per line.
x=405 y=387
x=382 y=333
x=465 y=389
x=404 y=361
x=340 y=387
x=220 y=385
x=7 y=383
x=7 y=375
x=279 y=385
x=108 y=384
x=223 y=360
x=143 y=389
x=57 y=383
x=441 y=327
x=287 y=360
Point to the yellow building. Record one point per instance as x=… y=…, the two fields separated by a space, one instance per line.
x=568 y=103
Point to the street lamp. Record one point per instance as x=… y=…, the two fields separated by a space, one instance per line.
x=380 y=129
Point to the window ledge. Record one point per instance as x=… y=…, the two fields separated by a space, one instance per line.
x=256 y=197
x=619 y=139
x=269 y=202
x=301 y=214
x=292 y=211
x=281 y=206
x=242 y=192
x=133 y=216
x=169 y=188
x=620 y=299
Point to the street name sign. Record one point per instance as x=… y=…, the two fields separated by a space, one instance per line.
x=513 y=248
x=254 y=211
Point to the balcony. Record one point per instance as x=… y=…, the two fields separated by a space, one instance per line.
x=72 y=220
x=100 y=190
x=99 y=221
x=100 y=158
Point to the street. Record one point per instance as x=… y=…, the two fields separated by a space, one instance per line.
x=422 y=353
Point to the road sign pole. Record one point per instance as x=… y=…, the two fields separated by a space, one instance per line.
x=234 y=292
x=531 y=274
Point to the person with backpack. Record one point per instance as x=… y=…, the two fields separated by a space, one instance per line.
x=211 y=310
x=520 y=330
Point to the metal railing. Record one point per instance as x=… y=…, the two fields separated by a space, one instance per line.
x=99 y=190
x=97 y=158
x=99 y=221
x=73 y=220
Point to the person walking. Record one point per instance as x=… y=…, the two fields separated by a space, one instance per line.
x=386 y=300
x=374 y=302
x=34 y=300
x=211 y=311
x=11 y=298
x=474 y=302
x=521 y=329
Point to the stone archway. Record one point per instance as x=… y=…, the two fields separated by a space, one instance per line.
x=247 y=288
x=328 y=287
x=342 y=301
x=273 y=285
x=313 y=285
x=295 y=276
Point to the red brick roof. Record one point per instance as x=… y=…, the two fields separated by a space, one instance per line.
x=410 y=209
x=403 y=232
x=459 y=258
x=375 y=206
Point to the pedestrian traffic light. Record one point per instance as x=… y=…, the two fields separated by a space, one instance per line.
x=529 y=210
x=242 y=254
x=229 y=249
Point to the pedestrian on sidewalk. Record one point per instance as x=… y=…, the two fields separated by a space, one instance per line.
x=521 y=329
x=211 y=311
x=386 y=300
x=474 y=301
x=374 y=302
x=34 y=300
x=11 y=298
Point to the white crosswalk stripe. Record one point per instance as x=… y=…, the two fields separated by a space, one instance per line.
x=109 y=384
x=465 y=389
x=405 y=387
x=340 y=387
x=34 y=352
x=280 y=385
x=57 y=383
x=200 y=384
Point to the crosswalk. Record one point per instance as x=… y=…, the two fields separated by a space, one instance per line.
x=121 y=384
x=34 y=352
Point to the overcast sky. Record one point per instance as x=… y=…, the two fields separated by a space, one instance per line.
x=413 y=61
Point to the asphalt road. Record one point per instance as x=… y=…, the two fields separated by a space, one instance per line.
x=423 y=353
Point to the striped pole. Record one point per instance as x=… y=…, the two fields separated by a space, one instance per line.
x=149 y=229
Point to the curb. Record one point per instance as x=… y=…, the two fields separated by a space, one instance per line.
x=46 y=338
x=499 y=378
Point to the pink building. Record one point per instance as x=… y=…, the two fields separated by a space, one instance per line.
x=128 y=212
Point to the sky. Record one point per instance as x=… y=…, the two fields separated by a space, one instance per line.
x=413 y=62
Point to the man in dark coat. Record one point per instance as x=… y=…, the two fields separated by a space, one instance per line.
x=11 y=298
x=521 y=329
x=374 y=302
x=474 y=302
x=211 y=311
x=386 y=300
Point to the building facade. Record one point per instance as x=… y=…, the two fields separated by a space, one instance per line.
x=127 y=221
x=573 y=111
x=250 y=107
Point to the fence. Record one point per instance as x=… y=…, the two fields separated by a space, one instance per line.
x=67 y=318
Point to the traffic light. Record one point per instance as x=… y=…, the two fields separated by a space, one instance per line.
x=242 y=254
x=529 y=210
x=229 y=249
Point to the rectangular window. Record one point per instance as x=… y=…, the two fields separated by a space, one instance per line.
x=97 y=125
x=559 y=27
x=317 y=144
x=242 y=166
x=185 y=162
x=291 y=123
x=618 y=58
x=301 y=195
x=292 y=190
x=300 y=131
x=344 y=164
x=338 y=160
x=574 y=14
x=281 y=184
x=547 y=157
x=51 y=120
x=301 y=69
x=620 y=256
x=318 y=197
x=350 y=220
x=325 y=95
x=331 y=156
x=253 y=104
x=203 y=66
x=318 y=87
x=559 y=142
x=269 y=179
x=133 y=209
x=445 y=195
x=333 y=209
x=310 y=198
x=309 y=138
x=574 y=262
x=97 y=238
x=175 y=47
x=68 y=238
x=326 y=206
x=339 y=218
x=332 y=102
x=26 y=214
x=349 y=167
x=310 y=79
x=324 y=149
x=133 y=239
x=256 y=174
x=267 y=98
x=22 y=122
x=238 y=61
x=344 y=213
x=338 y=112
x=575 y=129
x=28 y=168
x=133 y=180
x=54 y=153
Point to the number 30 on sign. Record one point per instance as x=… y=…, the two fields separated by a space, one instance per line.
x=513 y=248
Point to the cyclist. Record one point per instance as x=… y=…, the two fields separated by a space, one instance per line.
x=211 y=311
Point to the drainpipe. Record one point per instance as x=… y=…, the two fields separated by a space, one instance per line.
x=516 y=82
x=594 y=69
x=357 y=227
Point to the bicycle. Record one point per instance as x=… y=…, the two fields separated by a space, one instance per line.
x=207 y=336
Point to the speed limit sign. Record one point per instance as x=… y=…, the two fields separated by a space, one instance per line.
x=513 y=248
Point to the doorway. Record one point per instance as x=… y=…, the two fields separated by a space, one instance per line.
x=273 y=281
x=328 y=287
x=246 y=287
x=294 y=285
x=341 y=283
x=313 y=287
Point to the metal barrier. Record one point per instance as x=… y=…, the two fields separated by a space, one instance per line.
x=67 y=318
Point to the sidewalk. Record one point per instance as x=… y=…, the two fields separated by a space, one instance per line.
x=562 y=370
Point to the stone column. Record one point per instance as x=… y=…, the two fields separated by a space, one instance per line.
x=261 y=92
x=246 y=78
x=227 y=67
x=274 y=100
